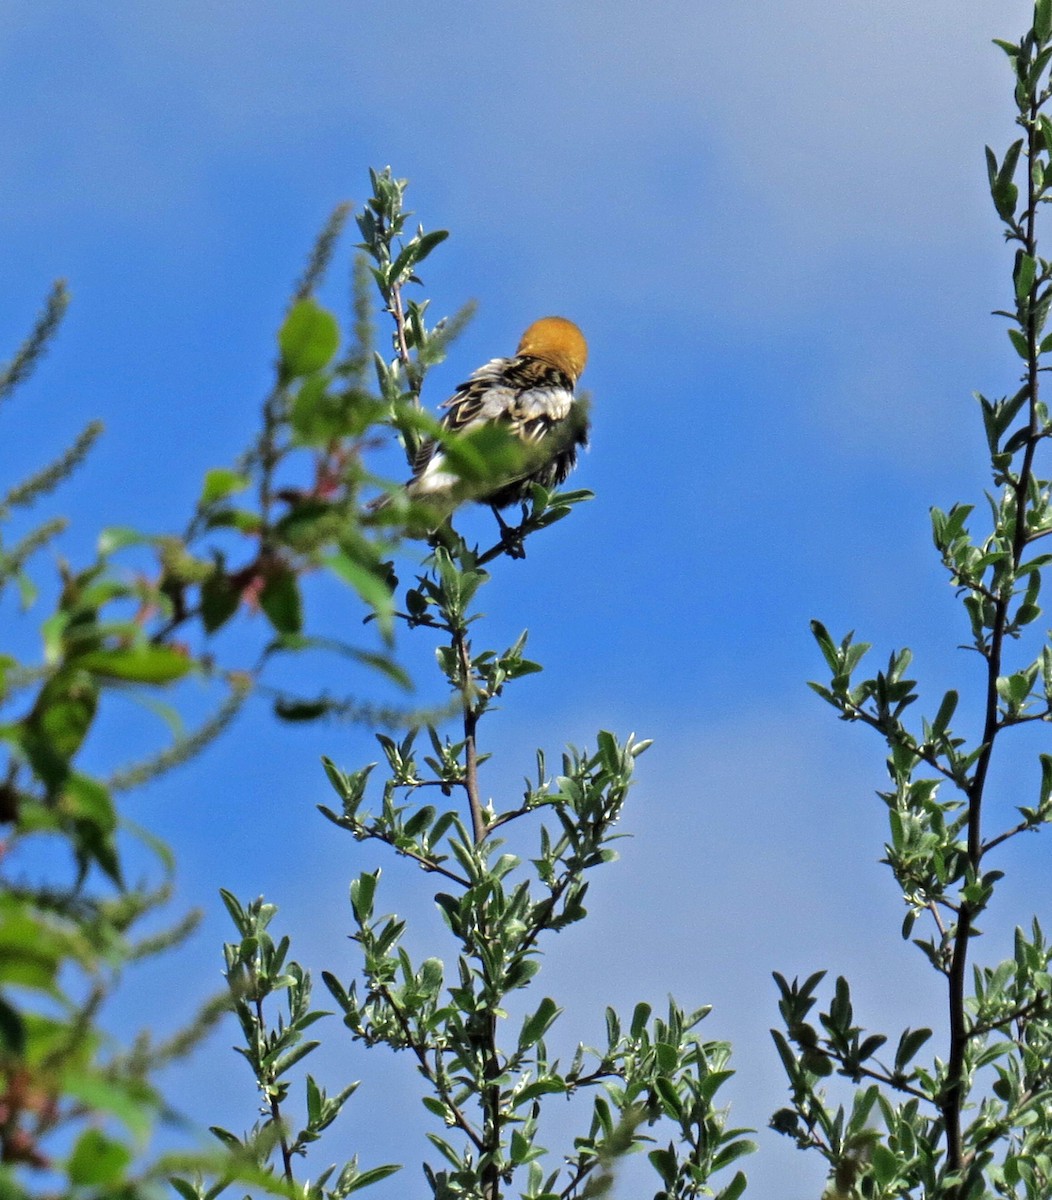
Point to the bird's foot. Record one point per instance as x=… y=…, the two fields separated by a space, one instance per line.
x=511 y=535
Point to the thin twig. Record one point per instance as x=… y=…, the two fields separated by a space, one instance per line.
x=398 y=312
x=1039 y=1002
x=479 y=828
x=428 y=864
x=426 y=1070
x=579 y=1176
x=275 y=1109
x=512 y=815
x=933 y=908
x=886 y=1078
x=1022 y=827
x=953 y=1095
x=906 y=741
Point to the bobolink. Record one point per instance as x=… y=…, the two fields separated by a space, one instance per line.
x=532 y=396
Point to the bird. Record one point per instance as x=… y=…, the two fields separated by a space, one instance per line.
x=531 y=395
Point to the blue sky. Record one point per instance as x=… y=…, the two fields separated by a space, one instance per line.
x=772 y=223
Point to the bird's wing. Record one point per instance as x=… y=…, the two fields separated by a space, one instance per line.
x=527 y=395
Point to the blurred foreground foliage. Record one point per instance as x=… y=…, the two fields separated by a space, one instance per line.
x=76 y=1108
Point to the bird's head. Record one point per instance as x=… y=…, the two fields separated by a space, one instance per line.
x=559 y=342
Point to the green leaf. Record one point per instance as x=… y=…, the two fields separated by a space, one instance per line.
x=1018 y=340
x=446 y=1150
x=295 y=711
x=1014 y=689
x=826 y=645
x=308 y=339
x=608 y=752
x=1024 y=274
x=946 y=710
x=117 y=537
x=30 y=954
x=551 y=1085
x=428 y=241
x=1046 y=777
x=373 y=1175
x=521 y=1148
x=363 y=892
x=138 y=664
x=664 y=1162
x=991 y=166
x=735 y=1189
x=129 y=1100
x=236 y=910
x=220 y=597
x=732 y=1152
x=94 y=831
x=1003 y=192
x=1006 y=197
x=221 y=482
x=416 y=251
x=281 y=602
x=279 y=1064
x=235 y=518
x=536 y=1026
x=1002 y=183
x=12 y=1031
x=909 y=1043
x=58 y=724
x=885 y=1164
x=318 y=414
x=228 y=1139
x=666 y=1055
x=97 y=1160
x=1046 y=131
x=368 y=583
x=88 y=800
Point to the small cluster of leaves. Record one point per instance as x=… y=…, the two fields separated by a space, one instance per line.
x=499 y=909
x=394 y=261
x=657 y=1070
x=257 y=970
x=1009 y=1032
x=908 y=1156
x=928 y=849
x=977 y=1118
x=60 y=1076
